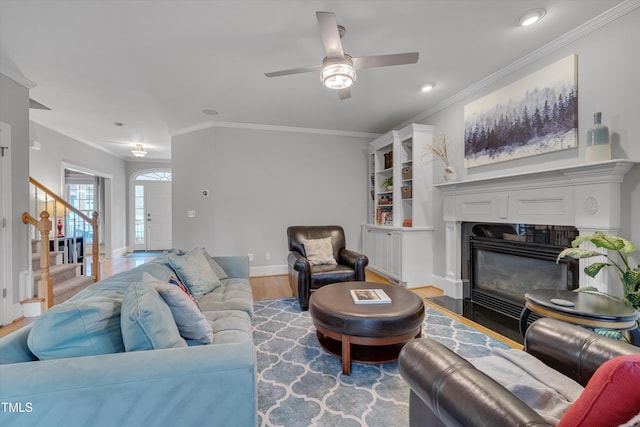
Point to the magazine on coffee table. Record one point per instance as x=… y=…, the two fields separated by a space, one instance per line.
x=370 y=296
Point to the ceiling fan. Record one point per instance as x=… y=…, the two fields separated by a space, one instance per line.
x=338 y=69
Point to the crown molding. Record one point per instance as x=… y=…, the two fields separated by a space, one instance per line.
x=599 y=21
x=79 y=140
x=272 y=128
x=16 y=77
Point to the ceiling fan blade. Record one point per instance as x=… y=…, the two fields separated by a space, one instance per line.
x=385 y=60
x=344 y=94
x=330 y=34
x=298 y=70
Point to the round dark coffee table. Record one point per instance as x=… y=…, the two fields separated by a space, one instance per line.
x=581 y=308
x=365 y=333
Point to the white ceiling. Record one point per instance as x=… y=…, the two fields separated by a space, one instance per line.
x=155 y=65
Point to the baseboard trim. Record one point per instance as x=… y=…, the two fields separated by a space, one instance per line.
x=451 y=288
x=268 y=270
x=32 y=307
x=118 y=252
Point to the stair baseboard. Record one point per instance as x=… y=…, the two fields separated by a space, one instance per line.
x=32 y=307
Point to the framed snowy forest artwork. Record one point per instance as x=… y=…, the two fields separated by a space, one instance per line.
x=537 y=114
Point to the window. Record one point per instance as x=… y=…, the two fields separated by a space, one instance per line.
x=154 y=176
x=139 y=214
x=81 y=197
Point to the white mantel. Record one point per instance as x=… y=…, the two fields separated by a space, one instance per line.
x=585 y=196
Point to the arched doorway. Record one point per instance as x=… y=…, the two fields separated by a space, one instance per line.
x=152 y=210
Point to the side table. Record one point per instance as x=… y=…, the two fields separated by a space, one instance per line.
x=583 y=309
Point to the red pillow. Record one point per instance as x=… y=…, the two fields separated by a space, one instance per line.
x=611 y=397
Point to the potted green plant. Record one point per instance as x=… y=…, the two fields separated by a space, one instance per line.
x=619 y=261
x=388 y=183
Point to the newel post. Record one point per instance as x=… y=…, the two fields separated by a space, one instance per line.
x=95 y=268
x=45 y=284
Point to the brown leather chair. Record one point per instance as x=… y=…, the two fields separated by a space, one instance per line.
x=305 y=278
x=447 y=390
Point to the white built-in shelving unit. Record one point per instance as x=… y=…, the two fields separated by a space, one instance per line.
x=398 y=237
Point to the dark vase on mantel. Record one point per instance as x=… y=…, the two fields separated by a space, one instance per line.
x=598 y=141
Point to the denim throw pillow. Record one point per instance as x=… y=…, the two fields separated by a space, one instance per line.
x=218 y=271
x=190 y=321
x=195 y=272
x=146 y=320
x=84 y=327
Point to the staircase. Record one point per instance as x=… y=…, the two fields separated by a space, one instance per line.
x=59 y=274
x=67 y=278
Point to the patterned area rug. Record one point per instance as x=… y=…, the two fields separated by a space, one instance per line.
x=300 y=385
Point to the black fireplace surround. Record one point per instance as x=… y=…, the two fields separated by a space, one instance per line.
x=503 y=265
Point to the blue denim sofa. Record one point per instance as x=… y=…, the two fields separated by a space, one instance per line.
x=212 y=384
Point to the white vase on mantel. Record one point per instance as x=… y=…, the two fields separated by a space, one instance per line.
x=598 y=141
x=449 y=173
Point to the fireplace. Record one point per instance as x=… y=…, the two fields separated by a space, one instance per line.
x=504 y=264
x=584 y=196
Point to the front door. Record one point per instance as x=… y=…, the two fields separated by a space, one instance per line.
x=157 y=197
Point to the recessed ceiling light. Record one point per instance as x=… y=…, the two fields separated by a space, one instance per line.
x=530 y=17
x=209 y=112
x=428 y=87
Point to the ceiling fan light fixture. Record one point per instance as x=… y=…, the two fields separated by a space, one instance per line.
x=338 y=73
x=139 y=151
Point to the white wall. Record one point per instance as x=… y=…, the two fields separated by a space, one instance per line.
x=608 y=70
x=260 y=182
x=46 y=165
x=14 y=110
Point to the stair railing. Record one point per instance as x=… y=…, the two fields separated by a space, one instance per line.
x=69 y=219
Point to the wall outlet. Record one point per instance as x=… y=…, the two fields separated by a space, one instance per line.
x=268 y=256
x=250 y=257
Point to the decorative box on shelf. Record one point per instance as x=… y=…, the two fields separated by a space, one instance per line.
x=407 y=192
x=388 y=160
x=406 y=173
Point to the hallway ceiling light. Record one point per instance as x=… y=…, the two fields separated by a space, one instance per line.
x=531 y=17
x=139 y=151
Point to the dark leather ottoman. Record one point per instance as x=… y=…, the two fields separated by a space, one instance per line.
x=365 y=333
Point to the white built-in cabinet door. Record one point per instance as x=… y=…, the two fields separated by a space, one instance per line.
x=400 y=254
x=384 y=249
x=394 y=247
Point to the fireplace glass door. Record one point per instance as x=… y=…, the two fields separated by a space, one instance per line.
x=502 y=271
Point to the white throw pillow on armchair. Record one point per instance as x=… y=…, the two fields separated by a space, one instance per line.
x=319 y=251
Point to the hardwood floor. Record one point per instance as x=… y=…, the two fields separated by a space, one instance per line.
x=271 y=287
x=263 y=287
